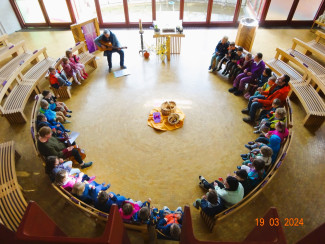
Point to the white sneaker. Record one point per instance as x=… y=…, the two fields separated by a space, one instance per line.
x=178 y=209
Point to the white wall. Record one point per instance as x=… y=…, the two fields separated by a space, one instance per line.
x=8 y=17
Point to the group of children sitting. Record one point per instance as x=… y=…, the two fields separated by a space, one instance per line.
x=52 y=144
x=72 y=69
x=271 y=127
x=86 y=189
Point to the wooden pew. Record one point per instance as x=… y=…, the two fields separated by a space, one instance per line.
x=18 y=88
x=312 y=47
x=212 y=221
x=9 y=49
x=303 y=89
x=12 y=202
x=38 y=228
x=318 y=79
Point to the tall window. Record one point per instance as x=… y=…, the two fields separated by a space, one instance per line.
x=279 y=9
x=167 y=10
x=57 y=11
x=84 y=9
x=30 y=11
x=195 y=11
x=112 y=10
x=223 y=10
x=140 y=9
x=306 y=10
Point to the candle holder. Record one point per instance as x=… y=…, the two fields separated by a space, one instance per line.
x=142 y=50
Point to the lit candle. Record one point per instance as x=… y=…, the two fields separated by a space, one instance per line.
x=140 y=25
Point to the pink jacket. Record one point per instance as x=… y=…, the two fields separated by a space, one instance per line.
x=69 y=68
x=74 y=59
x=136 y=208
x=70 y=183
x=282 y=135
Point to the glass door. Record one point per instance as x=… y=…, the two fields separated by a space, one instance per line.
x=195 y=10
x=84 y=10
x=31 y=12
x=57 y=11
x=112 y=11
x=167 y=10
x=140 y=9
x=279 y=10
x=223 y=11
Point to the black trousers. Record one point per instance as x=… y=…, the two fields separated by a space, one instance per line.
x=208 y=185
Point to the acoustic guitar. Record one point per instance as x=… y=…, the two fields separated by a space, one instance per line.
x=108 y=46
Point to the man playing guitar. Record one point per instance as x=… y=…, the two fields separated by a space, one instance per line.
x=112 y=45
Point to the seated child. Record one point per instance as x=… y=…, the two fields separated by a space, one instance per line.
x=242 y=177
x=241 y=66
x=265 y=125
x=210 y=203
x=54 y=104
x=266 y=114
x=267 y=85
x=256 y=171
x=143 y=215
x=71 y=70
x=169 y=224
x=259 y=82
x=229 y=56
x=74 y=59
x=50 y=114
x=129 y=208
x=264 y=153
x=274 y=144
x=87 y=192
x=62 y=178
x=280 y=130
x=53 y=165
x=232 y=63
x=57 y=128
x=57 y=79
x=105 y=200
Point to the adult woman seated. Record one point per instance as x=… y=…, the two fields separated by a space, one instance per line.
x=280 y=90
x=231 y=190
x=51 y=146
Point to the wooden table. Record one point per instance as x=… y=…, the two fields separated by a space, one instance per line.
x=173 y=42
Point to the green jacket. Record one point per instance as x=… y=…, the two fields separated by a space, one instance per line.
x=53 y=147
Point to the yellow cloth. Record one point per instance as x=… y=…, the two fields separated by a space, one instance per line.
x=164 y=125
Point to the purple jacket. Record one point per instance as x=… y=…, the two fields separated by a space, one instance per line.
x=256 y=70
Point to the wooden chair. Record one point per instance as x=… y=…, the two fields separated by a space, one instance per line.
x=13 y=203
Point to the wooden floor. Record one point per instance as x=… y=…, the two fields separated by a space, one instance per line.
x=111 y=114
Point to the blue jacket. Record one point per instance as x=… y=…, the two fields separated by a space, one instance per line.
x=262 y=80
x=50 y=115
x=118 y=200
x=210 y=209
x=222 y=49
x=275 y=144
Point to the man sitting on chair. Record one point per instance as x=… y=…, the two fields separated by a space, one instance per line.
x=109 y=36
